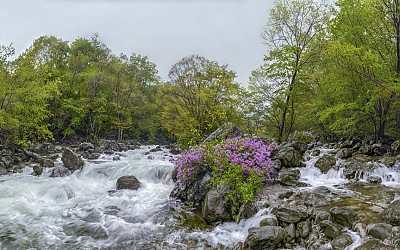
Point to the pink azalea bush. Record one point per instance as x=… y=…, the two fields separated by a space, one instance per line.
x=241 y=164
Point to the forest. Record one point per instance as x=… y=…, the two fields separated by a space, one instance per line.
x=332 y=69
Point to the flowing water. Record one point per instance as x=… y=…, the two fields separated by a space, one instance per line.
x=83 y=211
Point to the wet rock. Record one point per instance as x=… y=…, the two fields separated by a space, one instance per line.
x=45 y=149
x=228 y=130
x=331 y=230
x=86 y=146
x=156 y=149
x=94 y=156
x=290 y=233
x=395 y=148
x=3 y=171
x=60 y=171
x=261 y=238
x=325 y=162
x=379 y=149
x=46 y=163
x=303 y=229
x=193 y=193
x=215 y=207
x=373 y=179
x=341 y=241
x=379 y=231
x=392 y=213
x=354 y=165
x=37 y=170
x=128 y=182
x=320 y=215
x=290 y=214
x=116 y=158
x=122 y=147
x=373 y=244
x=345 y=153
x=289 y=177
x=271 y=220
x=80 y=228
x=288 y=156
x=71 y=160
x=344 y=216
x=108 y=146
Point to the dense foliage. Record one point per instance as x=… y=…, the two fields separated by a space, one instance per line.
x=242 y=165
x=332 y=69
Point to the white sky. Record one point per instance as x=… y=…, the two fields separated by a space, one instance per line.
x=227 y=31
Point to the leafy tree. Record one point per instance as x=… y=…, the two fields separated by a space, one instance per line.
x=200 y=96
x=293 y=35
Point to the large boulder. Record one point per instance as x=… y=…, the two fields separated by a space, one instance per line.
x=289 y=177
x=260 y=238
x=395 y=148
x=228 y=130
x=215 y=207
x=60 y=171
x=86 y=146
x=288 y=156
x=192 y=193
x=341 y=241
x=290 y=214
x=128 y=182
x=392 y=213
x=108 y=146
x=325 y=162
x=71 y=160
x=344 y=216
x=379 y=231
x=345 y=153
x=373 y=244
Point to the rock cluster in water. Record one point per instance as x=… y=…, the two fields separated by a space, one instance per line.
x=360 y=214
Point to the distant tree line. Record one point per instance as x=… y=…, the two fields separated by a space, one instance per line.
x=329 y=69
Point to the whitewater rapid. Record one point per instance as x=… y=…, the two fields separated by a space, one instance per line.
x=84 y=211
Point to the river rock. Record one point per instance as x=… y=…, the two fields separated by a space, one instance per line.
x=290 y=214
x=331 y=230
x=71 y=160
x=94 y=156
x=374 y=179
x=395 y=148
x=341 y=241
x=108 y=146
x=344 y=216
x=128 y=182
x=289 y=157
x=228 y=130
x=46 y=163
x=37 y=169
x=3 y=171
x=392 y=213
x=86 y=146
x=373 y=244
x=60 y=171
x=345 y=153
x=192 y=193
x=271 y=220
x=303 y=229
x=290 y=233
x=289 y=177
x=261 y=238
x=325 y=162
x=379 y=231
x=215 y=207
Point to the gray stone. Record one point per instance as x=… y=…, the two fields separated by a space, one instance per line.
x=289 y=177
x=341 y=241
x=331 y=230
x=345 y=153
x=325 y=162
x=395 y=148
x=261 y=238
x=94 y=156
x=46 y=163
x=374 y=179
x=303 y=229
x=344 y=216
x=108 y=146
x=37 y=170
x=3 y=171
x=86 y=146
x=379 y=231
x=289 y=157
x=215 y=207
x=228 y=130
x=392 y=213
x=60 y=171
x=269 y=221
x=128 y=182
x=290 y=233
x=290 y=214
x=373 y=244
x=71 y=160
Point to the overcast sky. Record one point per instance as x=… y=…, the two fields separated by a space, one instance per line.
x=227 y=31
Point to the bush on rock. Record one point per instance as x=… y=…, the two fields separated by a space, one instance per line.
x=240 y=164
